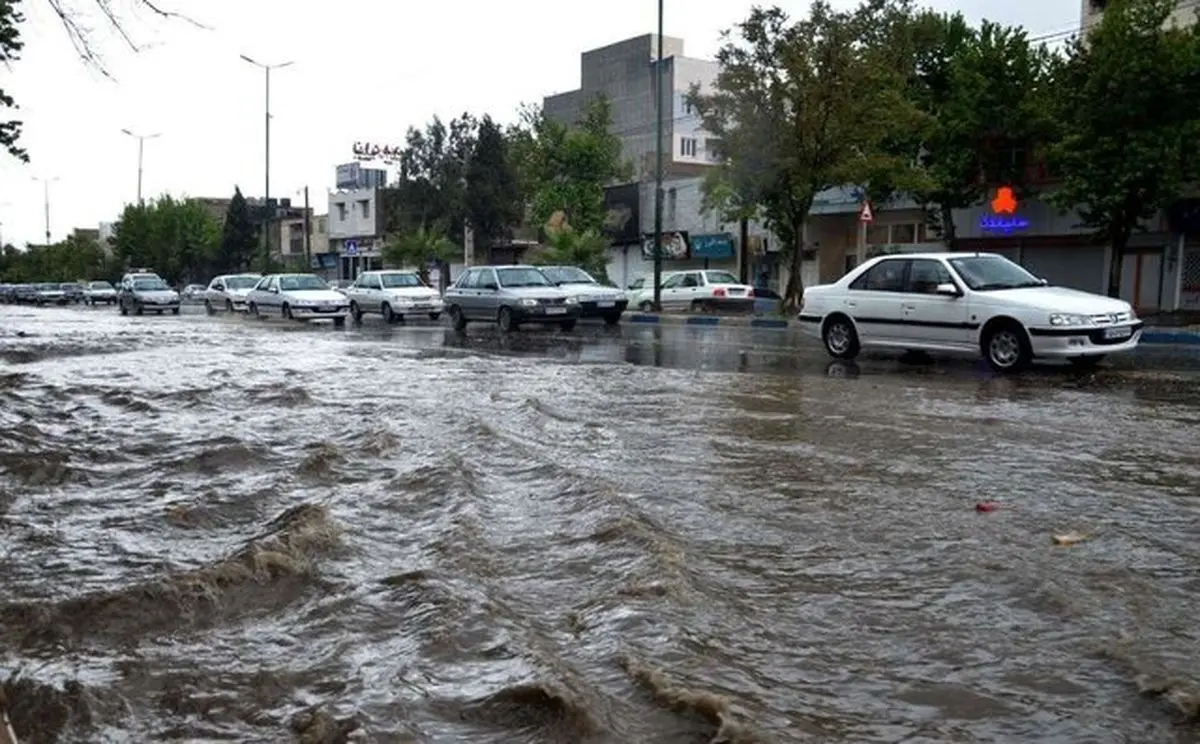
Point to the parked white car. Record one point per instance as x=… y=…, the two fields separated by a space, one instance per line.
x=228 y=292
x=392 y=294
x=97 y=292
x=595 y=299
x=979 y=303
x=297 y=297
x=701 y=289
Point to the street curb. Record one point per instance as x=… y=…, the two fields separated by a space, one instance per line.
x=1155 y=336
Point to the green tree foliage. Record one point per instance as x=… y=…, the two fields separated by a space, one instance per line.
x=431 y=186
x=1126 y=100
x=74 y=259
x=565 y=169
x=985 y=92
x=418 y=247
x=179 y=239
x=10 y=50
x=802 y=106
x=565 y=246
x=491 y=200
x=239 y=236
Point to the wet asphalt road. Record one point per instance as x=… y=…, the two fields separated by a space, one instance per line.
x=221 y=529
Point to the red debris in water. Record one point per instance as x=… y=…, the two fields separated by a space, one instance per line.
x=986 y=506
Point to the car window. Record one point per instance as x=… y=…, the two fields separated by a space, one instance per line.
x=521 y=277
x=690 y=280
x=638 y=283
x=392 y=281
x=924 y=276
x=721 y=277
x=672 y=281
x=885 y=276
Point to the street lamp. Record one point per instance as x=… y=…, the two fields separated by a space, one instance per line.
x=267 y=157
x=658 y=170
x=141 y=138
x=46 y=196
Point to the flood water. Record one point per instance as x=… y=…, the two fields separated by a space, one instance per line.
x=214 y=529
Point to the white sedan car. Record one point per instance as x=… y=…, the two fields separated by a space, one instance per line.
x=392 y=294
x=228 y=292
x=297 y=297
x=700 y=289
x=979 y=303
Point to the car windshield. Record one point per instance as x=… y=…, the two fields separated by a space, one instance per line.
x=522 y=278
x=721 y=277
x=241 y=282
x=984 y=273
x=392 y=281
x=301 y=282
x=149 y=285
x=100 y=285
x=69 y=286
x=568 y=275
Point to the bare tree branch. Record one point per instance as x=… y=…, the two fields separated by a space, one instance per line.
x=82 y=37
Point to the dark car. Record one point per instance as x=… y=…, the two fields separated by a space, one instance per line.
x=73 y=291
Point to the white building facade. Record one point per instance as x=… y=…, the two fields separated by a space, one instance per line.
x=354 y=230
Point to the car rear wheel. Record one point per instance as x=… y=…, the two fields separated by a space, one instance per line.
x=506 y=321
x=1006 y=348
x=840 y=338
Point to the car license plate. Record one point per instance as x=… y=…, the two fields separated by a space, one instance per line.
x=1118 y=332
x=605 y=303
x=556 y=311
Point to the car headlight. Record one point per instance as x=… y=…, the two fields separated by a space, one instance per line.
x=529 y=302
x=572 y=301
x=1065 y=319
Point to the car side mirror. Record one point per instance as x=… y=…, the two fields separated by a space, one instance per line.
x=947 y=290
x=1045 y=282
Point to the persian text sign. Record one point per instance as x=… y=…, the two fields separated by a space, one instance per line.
x=367 y=151
x=1004 y=218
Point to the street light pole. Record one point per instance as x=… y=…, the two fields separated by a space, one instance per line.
x=46 y=198
x=141 y=138
x=658 y=170
x=267 y=156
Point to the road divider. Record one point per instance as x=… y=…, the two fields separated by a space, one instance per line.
x=1189 y=336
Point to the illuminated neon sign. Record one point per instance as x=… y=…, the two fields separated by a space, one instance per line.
x=1004 y=220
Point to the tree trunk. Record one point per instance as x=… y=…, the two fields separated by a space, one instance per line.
x=1116 y=262
x=795 y=282
x=949 y=230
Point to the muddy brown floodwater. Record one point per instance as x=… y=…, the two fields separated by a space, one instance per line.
x=216 y=529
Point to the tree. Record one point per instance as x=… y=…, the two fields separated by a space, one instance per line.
x=1126 y=99
x=492 y=203
x=418 y=248
x=985 y=95
x=797 y=108
x=75 y=258
x=564 y=246
x=239 y=235
x=178 y=238
x=79 y=31
x=565 y=169
x=430 y=190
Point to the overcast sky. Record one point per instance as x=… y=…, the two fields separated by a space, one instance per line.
x=364 y=69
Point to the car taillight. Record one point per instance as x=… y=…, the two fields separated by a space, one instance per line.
x=718 y=292
x=750 y=292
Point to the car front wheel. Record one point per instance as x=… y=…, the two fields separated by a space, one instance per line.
x=1006 y=348
x=840 y=338
x=506 y=321
x=457 y=319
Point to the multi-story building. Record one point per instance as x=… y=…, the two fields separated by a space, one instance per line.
x=355 y=230
x=1091 y=11
x=290 y=237
x=625 y=73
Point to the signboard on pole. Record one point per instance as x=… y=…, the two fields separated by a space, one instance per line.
x=865 y=214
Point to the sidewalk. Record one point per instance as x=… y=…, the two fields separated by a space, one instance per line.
x=1186 y=335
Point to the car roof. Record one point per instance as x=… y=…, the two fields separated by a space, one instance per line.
x=507 y=266
x=393 y=271
x=936 y=255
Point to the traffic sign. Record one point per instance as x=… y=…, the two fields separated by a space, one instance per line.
x=350 y=248
x=865 y=214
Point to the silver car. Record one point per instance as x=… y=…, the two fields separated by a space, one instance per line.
x=297 y=297
x=228 y=292
x=97 y=292
x=509 y=296
x=595 y=299
x=393 y=294
x=142 y=293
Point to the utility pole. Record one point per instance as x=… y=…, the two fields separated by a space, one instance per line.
x=658 y=170
x=307 y=232
x=267 y=212
x=46 y=197
x=141 y=138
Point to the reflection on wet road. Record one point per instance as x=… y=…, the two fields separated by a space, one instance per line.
x=220 y=529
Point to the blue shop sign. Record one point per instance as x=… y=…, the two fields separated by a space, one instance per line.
x=716 y=245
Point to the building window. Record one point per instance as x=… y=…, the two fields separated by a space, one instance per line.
x=341 y=207
x=710 y=150
x=687 y=147
x=904 y=233
x=365 y=206
x=672 y=203
x=321 y=225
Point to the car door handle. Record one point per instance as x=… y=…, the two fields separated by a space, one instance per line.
x=909 y=307
x=851 y=303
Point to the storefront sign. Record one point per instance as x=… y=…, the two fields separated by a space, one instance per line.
x=1004 y=219
x=715 y=246
x=367 y=151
